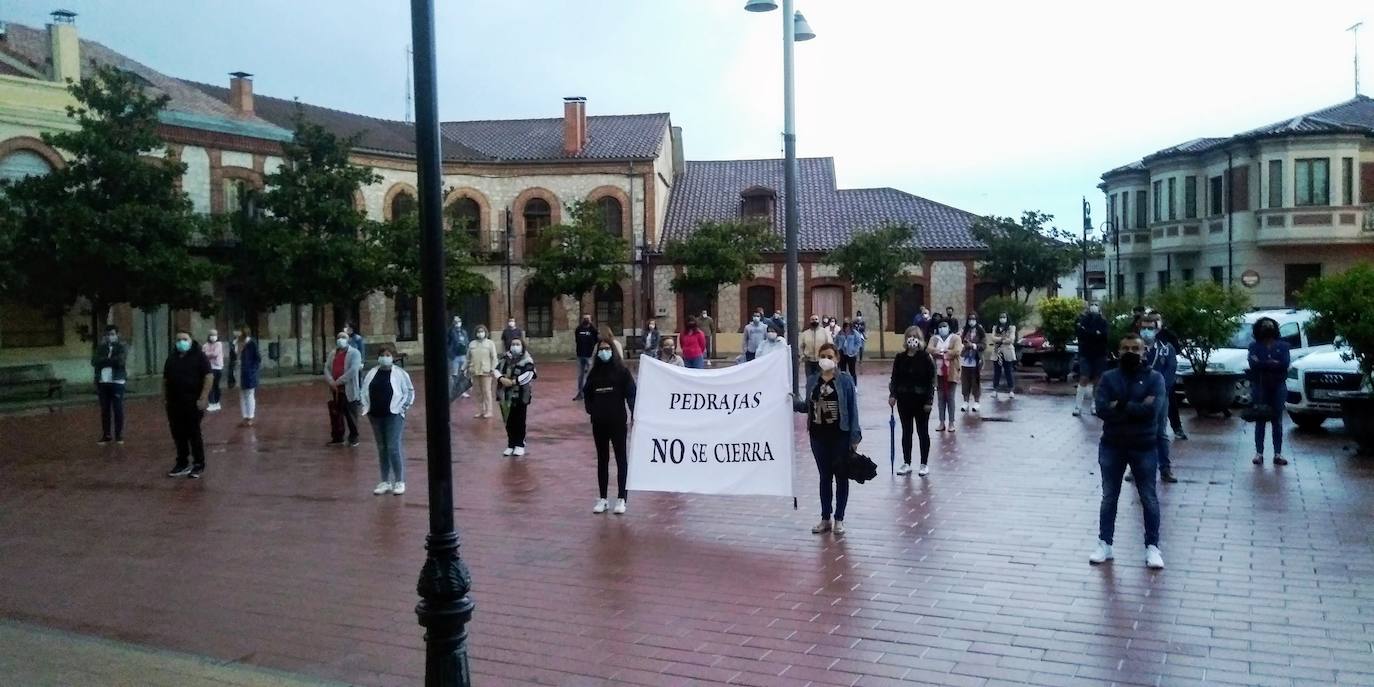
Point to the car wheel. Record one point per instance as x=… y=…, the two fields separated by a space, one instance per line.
x=1243 y=393
x=1308 y=422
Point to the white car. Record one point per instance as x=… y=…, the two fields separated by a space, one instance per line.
x=1294 y=327
x=1311 y=382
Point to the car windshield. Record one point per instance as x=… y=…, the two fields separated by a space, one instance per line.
x=1243 y=338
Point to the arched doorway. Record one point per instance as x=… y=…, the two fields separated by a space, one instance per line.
x=827 y=301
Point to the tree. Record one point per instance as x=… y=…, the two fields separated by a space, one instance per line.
x=719 y=253
x=332 y=247
x=1342 y=304
x=1203 y=315
x=110 y=226
x=875 y=260
x=1026 y=255
x=399 y=241
x=576 y=257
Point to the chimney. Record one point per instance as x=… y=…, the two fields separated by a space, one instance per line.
x=574 y=125
x=66 y=48
x=679 y=160
x=241 y=93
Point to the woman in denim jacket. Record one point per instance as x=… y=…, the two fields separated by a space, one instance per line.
x=832 y=422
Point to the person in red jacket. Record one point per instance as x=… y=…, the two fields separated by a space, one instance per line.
x=693 y=343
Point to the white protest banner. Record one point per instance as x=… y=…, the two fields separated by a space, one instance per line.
x=717 y=431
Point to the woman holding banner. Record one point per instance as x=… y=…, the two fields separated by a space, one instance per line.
x=832 y=422
x=517 y=390
x=609 y=389
x=911 y=391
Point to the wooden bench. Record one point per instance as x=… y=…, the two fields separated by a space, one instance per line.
x=634 y=346
x=29 y=379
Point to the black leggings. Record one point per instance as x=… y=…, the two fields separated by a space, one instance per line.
x=607 y=435
x=847 y=365
x=912 y=409
x=515 y=425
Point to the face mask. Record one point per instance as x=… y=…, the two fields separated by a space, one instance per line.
x=669 y=352
x=814 y=325
x=604 y=356
x=652 y=326
x=1001 y=320
x=1148 y=335
x=944 y=330
x=1094 y=310
x=384 y=360
x=691 y=325
x=973 y=323
x=913 y=344
x=1130 y=361
x=214 y=338
x=341 y=343
x=826 y=364
x=772 y=336
x=481 y=334
x=517 y=350
x=112 y=338
x=183 y=345
x=756 y=319
x=511 y=324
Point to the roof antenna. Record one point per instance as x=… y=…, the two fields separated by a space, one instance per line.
x=410 y=96
x=1355 y=32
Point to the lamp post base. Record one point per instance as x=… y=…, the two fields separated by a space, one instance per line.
x=444 y=611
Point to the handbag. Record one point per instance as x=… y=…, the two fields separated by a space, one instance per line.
x=1257 y=412
x=861 y=468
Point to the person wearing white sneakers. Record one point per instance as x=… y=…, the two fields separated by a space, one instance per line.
x=607 y=392
x=386 y=394
x=945 y=347
x=974 y=338
x=213 y=349
x=911 y=390
x=517 y=390
x=1130 y=401
x=481 y=365
x=1003 y=356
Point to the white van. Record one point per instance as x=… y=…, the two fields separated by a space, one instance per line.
x=1294 y=327
x=1311 y=382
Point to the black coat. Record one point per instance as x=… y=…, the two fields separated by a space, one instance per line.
x=609 y=389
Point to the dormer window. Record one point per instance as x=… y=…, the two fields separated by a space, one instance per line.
x=757 y=202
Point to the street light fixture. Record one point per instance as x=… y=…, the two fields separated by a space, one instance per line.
x=794 y=28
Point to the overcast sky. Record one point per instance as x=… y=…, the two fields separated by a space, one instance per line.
x=993 y=107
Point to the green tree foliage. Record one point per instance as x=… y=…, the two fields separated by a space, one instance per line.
x=575 y=257
x=1120 y=316
x=1059 y=320
x=1017 y=311
x=1343 y=304
x=719 y=253
x=110 y=226
x=875 y=260
x=1025 y=255
x=1204 y=316
x=399 y=242
x=262 y=256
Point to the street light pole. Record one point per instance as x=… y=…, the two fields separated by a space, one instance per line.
x=444 y=608
x=1087 y=224
x=789 y=184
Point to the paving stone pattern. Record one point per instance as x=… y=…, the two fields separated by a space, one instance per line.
x=977 y=575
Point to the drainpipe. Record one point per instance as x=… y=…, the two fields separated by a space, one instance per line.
x=509 y=230
x=634 y=249
x=1230 y=225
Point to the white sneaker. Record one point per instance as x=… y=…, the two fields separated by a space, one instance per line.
x=1102 y=554
x=213 y=407
x=467 y=395
x=904 y=469
x=1077 y=412
x=925 y=470
x=963 y=408
x=519 y=450
x=601 y=506
x=997 y=397
x=975 y=407
x=398 y=488
x=838 y=527
x=382 y=488
x=508 y=452
x=476 y=416
x=1012 y=395
x=1153 y=559
x=619 y=507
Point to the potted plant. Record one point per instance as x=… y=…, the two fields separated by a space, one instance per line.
x=1059 y=322
x=1342 y=304
x=1204 y=316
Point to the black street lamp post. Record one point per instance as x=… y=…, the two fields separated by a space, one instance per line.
x=444 y=608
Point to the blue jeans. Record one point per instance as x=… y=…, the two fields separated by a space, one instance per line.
x=387 y=430
x=1113 y=461
x=1275 y=397
x=695 y=363
x=1162 y=443
x=457 y=365
x=584 y=365
x=831 y=453
x=111 y=409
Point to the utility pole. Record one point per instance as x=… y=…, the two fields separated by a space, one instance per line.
x=410 y=55
x=1355 y=32
x=1087 y=225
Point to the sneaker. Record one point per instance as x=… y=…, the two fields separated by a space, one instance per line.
x=600 y=507
x=951 y=428
x=963 y=407
x=1102 y=554
x=179 y=471
x=996 y=397
x=213 y=408
x=821 y=527
x=904 y=469
x=196 y=472
x=1012 y=395
x=476 y=416
x=1279 y=459
x=1180 y=434
x=119 y=441
x=104 y=441
x=925 y=470
x=1168 y=476
x=1258 y=459
x=335 y=442
x=941 y=428
x=398 y=488
x=619 y=507
x=1077 y=412
x=466 y=395
x=382 y=488
x=486 y=416
x=508 y=452
x=838 y=528
x=519 y=450
x=353 y=443
x=1153 y=559
x=975 y=407
x=577 y=398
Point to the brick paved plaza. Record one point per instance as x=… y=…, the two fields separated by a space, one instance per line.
x=281 y=558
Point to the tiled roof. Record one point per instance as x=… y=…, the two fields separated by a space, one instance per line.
x=1352 y=116
x=710 y=191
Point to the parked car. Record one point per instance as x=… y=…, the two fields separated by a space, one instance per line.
x=1295 y=327
x=1032 y=345
x=1312 y=382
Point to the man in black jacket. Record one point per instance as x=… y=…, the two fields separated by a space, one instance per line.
x=108 y=363
x=584 y=337
x=1092 y=354
x=186 y=382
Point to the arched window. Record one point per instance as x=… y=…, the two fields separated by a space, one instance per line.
x=611 y=216
x=402 y=204
x=538 y=217
x=538 y=311
x=610 y=307
x=466 y=216
x=23 y=163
